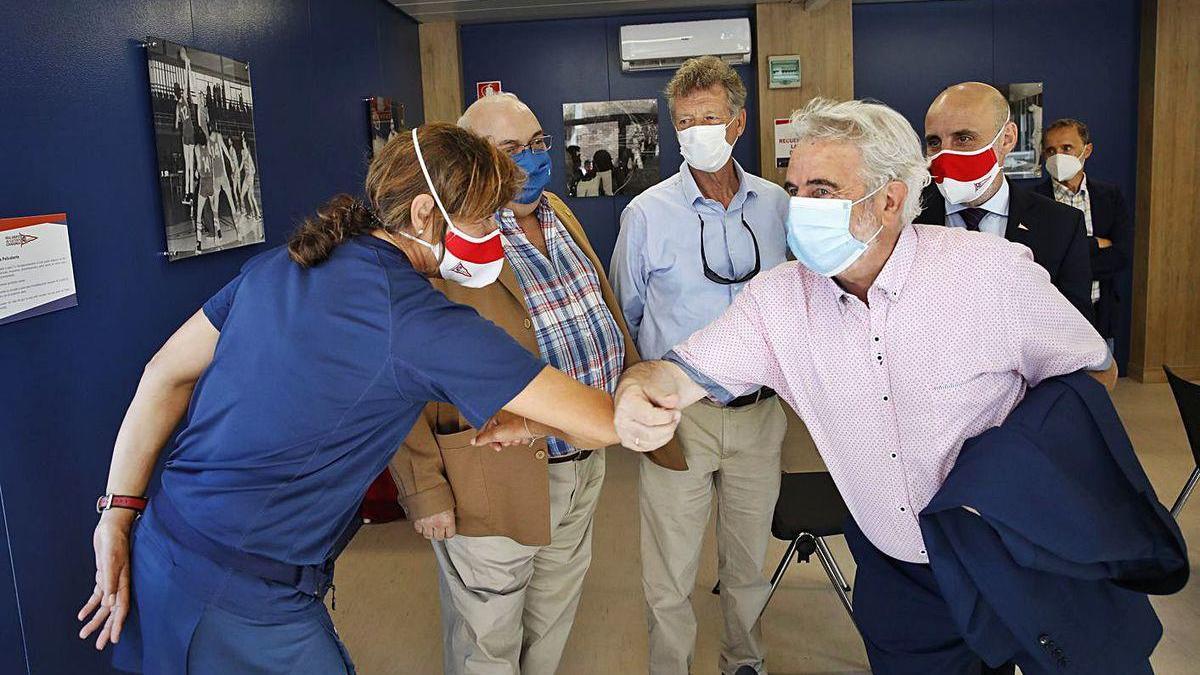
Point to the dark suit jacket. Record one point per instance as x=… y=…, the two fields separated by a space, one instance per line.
x=1054 y=232
x=1069 y=539
x=1110 y=220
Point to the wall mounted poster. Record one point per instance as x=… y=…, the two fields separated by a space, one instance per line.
x=785 y=141
x=1025 y=106
x=385 y=117
x=207 y=162
x=36 y=276
x=611 y=147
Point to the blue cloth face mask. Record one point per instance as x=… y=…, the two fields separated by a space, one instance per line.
x=818 y=233
x=536 y=166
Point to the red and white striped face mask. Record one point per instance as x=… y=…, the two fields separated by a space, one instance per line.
x=964 y=176
x=469 y=261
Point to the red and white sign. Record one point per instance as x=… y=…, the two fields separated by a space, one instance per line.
x=487 y=88
x=36 y=276
x=785 y=141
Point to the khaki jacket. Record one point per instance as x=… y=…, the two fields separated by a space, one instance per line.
x=493 y=493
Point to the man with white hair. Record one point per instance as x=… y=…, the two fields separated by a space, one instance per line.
x=512 y=530
x=893 y=342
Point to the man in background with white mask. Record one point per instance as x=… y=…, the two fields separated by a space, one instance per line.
x=686 y=248
x=895 y=343
x=1066 y=145
x=968 y=133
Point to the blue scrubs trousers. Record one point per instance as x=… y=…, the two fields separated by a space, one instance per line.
x=193 y=616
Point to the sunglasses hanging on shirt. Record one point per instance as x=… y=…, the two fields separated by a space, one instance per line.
x=717 y=278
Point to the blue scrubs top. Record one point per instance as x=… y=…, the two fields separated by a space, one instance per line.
x=318 y=376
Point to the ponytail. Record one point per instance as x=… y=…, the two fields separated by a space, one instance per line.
x=341 y=218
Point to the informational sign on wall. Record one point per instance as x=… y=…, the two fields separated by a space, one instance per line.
x=487 y=88
x=36 y=276
x=785 y=141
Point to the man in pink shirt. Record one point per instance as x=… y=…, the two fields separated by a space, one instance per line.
x=894 y=343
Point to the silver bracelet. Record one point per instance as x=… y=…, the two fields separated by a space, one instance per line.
x=532 y=437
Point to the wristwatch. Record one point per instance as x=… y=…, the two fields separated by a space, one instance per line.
x=111 y=501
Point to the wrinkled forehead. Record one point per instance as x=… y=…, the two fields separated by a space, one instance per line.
x=702 y=101
x=953 y=114
x=837 y=165
x=1065 y=135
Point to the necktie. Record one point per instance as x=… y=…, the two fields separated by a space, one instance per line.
x=972 y=217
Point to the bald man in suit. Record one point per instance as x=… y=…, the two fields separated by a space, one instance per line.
x=973 y=116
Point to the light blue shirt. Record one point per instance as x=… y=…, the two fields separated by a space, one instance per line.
x=656 y=269
x=994 y=222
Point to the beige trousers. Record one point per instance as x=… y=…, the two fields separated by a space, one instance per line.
x=508 y=608
x=734 y=453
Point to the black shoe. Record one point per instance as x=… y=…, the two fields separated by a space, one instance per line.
x=746 y=670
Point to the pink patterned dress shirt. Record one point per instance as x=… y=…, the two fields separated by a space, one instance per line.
x=957 y=325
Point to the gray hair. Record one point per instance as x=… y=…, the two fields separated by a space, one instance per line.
x=890 y=148
x=499 y=98
x=704 y=72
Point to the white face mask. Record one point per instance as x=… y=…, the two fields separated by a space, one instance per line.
x=704 y=146
x=1063 y=166
x=469 y=261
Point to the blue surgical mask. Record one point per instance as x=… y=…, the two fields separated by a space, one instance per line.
x=818 y=233
x=536 y=166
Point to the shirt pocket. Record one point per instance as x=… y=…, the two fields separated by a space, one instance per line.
x=965 y=386
x=464 y=466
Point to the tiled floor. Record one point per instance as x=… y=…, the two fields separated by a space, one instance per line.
x=388 y=603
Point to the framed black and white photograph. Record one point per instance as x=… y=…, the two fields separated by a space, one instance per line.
x=203 y=116
x=611 y=147
x=1025 y=106
x=385 y=117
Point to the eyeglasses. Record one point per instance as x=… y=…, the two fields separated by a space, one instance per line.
x=539 y=144
x=717 y=278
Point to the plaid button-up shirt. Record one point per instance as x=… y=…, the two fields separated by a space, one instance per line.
x=576 y=332
x=1082 y=201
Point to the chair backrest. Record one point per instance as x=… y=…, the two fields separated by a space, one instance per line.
x=1187 y=397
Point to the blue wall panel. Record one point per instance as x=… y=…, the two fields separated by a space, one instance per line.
x=549 y=63
x=77 y=138
x=1085 y=51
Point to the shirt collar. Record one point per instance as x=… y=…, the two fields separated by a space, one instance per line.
x=998 y=204
x=1065 y=191
x=894 y=273
x=508 y=220
x=692 y=193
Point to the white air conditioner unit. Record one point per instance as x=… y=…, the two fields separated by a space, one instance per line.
x=659 y=46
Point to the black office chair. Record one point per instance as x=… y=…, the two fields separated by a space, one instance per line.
x=1187 y=397
x=809 y=509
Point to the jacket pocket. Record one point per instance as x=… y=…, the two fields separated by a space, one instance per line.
x=465 y=473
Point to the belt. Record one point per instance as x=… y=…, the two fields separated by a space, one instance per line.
x=751 y=398
x=577 y=457
x=312 y=580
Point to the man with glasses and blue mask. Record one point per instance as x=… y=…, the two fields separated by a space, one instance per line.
x=895 y=343
x=512 y=530
x=686 y=248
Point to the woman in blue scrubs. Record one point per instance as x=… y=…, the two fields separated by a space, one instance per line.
x=300 y=378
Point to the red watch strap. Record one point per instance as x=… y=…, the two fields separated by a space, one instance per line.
x=107 y=502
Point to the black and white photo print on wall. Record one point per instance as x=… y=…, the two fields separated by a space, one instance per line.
x=203 y=116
